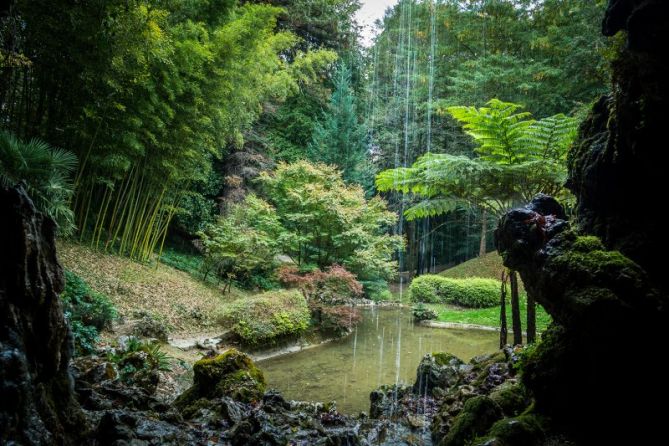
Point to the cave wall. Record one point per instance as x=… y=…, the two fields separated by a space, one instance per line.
x=37 y=404
x=596 y=373
x=615 y=168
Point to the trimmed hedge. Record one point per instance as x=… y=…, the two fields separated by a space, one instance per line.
x=268 y=317
x=472 y=292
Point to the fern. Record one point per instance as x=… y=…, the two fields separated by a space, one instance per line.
x=518 y=158
x=432 y=207
x=498 y=129
x=549 y=138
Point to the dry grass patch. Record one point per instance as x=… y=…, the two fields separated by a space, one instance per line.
x=186 y=304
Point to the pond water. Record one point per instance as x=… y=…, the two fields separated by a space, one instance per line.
x=385 y=348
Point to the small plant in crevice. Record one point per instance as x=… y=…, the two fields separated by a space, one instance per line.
x=139 y=362
x=87 y=311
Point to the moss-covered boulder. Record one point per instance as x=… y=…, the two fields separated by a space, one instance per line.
x=525 y=430
x=512 y=397
x=231 y=374
x=477 y=416
x=593 y=294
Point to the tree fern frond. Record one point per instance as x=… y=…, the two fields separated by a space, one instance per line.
x=431 y=208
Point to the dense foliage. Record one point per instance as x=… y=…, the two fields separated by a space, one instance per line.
x=472 y=292
x=327 y=221
x=88 y=312
x=339 y=139
x=268 y=317
x=242 y=245
x=161 y=90
x=548 y=56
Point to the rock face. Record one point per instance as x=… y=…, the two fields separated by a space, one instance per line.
x=615 y=168
x=601 y=280
x=37 y=404
x=437 y=371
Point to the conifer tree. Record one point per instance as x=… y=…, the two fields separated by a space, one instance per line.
x=339 y=138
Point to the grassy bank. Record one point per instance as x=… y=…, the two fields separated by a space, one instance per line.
x=487 y=316
x=488 y=266
x=184 y=303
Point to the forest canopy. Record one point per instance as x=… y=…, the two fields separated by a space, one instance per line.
x=188 y=115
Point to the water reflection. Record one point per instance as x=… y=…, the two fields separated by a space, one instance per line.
x=385 y=348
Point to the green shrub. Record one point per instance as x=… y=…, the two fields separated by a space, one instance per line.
x=268 y=317
x=427 y=288
x=472 y=292
x=88 y=311
x=383 y=296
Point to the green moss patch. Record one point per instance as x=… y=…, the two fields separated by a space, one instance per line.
x=476 y=417
x=231 y=374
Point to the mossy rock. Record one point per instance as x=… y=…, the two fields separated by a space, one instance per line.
x=477 y=416
x=525 y=430
x=231 y=374
x=443 y=358
x=511 y=397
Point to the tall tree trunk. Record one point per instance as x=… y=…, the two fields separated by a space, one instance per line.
x=503 y=331
x=484 y=230
x=515 y=310
x=531 y=319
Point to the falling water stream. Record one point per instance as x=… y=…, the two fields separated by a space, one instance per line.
x=385 y=349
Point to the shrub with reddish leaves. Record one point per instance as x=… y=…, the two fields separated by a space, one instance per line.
x=290 y=276
x=339 y=319
x=335 y=285
x=328 y=293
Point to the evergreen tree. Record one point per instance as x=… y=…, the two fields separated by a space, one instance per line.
x=340 y=139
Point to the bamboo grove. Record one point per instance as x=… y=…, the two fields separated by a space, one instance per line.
x=164 y=89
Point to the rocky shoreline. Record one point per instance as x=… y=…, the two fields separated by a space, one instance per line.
x=228 y=403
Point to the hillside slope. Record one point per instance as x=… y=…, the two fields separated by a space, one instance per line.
x=489 y=265
x=184 y=303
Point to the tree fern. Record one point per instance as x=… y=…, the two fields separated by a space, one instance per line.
x=518 y=158
x=431 y=207
x=499 y=129
x=549 y=138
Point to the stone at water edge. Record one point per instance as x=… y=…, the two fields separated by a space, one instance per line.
x=437 y=371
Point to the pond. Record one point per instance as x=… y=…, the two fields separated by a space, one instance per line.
x=385 y=348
